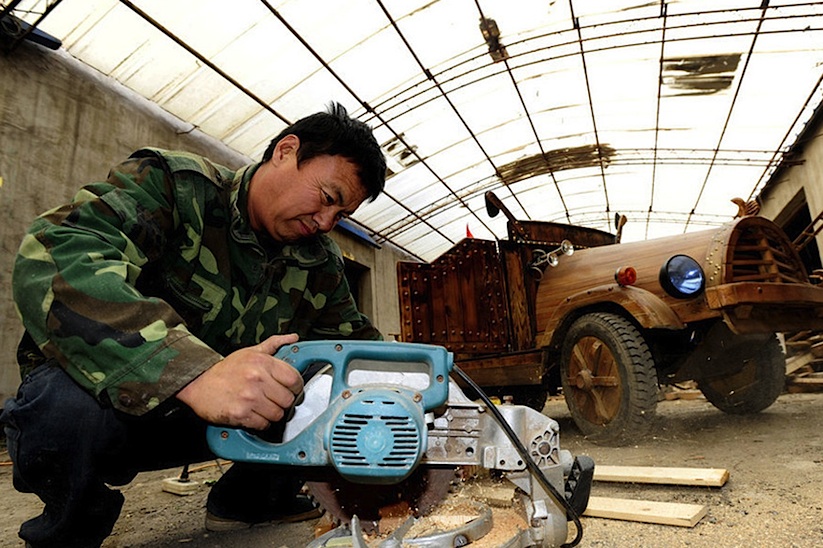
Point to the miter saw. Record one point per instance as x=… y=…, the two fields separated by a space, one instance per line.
x=382 y=424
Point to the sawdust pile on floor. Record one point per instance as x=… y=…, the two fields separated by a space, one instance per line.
x=447 y=517
x=460 y=507
x=507 y=524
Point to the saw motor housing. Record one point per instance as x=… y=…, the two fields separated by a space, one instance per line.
x=370 y=433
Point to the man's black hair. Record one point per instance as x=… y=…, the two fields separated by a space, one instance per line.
x=334 y=133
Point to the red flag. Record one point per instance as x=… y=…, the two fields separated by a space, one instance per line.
x=468 y=232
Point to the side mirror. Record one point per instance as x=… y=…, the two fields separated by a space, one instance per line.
x=493 y=204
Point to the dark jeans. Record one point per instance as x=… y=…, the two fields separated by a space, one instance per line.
x=66 y=447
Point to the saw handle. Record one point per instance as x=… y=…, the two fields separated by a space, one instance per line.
x=409 y=397
x=341 y=353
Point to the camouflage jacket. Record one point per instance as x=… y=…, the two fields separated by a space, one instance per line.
x=146 y=280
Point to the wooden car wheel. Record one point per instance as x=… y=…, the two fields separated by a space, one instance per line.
x=608 y=377
x=755 y=386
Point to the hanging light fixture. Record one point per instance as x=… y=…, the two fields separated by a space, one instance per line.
x=491 y=34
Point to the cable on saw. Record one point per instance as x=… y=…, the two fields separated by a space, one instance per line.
x=524 y=454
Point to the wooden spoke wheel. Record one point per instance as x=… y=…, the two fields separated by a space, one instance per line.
x=608 y=377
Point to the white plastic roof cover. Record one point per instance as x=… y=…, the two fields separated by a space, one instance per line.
x=571 y=111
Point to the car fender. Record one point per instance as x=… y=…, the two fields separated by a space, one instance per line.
x=648 y=310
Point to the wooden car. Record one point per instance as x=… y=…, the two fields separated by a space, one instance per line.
x=560 y=305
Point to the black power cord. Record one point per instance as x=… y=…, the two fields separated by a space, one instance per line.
x=524 y=454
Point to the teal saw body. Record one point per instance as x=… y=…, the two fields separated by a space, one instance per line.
x=370 y=433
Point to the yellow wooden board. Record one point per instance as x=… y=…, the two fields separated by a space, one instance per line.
x=707 y=477
x=646 y=511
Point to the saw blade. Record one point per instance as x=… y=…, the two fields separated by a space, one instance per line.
x=416 y=495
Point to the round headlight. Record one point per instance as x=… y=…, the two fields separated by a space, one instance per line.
x=682 y=277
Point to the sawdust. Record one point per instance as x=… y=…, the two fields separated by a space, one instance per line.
x=508 y=523
x=459 y=508
x=452 y=514
x=466 y=505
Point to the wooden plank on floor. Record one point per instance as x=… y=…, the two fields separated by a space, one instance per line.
x=802 y=384
x=797 y=362
x=646 y=511
x=705 y=477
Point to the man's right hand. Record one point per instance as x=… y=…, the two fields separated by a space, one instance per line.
x=248 y=388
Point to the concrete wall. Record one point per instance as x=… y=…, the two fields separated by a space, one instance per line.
x=63 y=125
x=378 y=292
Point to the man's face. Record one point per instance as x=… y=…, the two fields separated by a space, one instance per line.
x=291 y=203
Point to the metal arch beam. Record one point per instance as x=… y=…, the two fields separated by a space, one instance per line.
x=764 y=178
x=576 y=24
x=378 y=116
x=145 y=16
x=663 y=15
x=445 y=96
x=177 y=40
x=366 y=106
x=659 y=156
x=394 y=101
x=468 y=72
x=534 y=132
x=763 y=9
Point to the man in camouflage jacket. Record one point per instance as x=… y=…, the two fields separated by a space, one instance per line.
x=153 y=304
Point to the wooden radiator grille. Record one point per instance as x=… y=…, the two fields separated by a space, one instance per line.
x=762 y=254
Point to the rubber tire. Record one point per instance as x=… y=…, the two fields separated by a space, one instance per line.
x=752 y=389
x=630 y=405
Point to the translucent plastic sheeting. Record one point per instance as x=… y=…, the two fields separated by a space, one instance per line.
x=571 y=111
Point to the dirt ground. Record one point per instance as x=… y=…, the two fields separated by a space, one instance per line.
x=773 y=496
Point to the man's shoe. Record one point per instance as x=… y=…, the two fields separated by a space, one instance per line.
x=302 y=509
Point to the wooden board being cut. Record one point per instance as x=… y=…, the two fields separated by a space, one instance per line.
x=708 y=477
x=646 y=511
